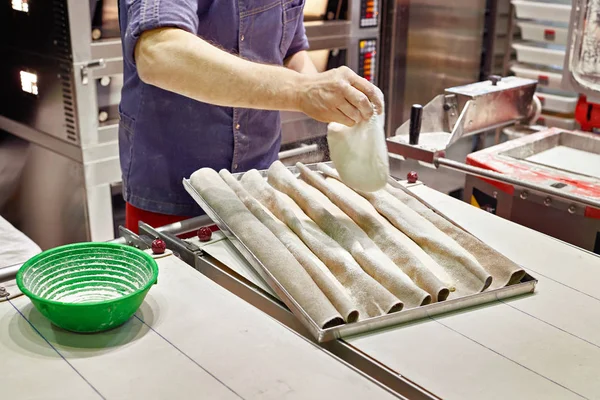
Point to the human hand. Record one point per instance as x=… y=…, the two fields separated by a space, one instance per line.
x=339 y=95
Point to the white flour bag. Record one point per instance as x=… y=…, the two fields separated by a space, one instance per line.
x=359 y=153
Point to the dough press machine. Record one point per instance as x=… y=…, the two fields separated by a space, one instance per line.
x=548 y=180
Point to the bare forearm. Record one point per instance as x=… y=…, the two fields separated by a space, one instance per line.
x=178 y=61
x=181 y=62
x=301 y=62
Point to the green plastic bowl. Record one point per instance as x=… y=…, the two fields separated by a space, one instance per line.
x=88 y=287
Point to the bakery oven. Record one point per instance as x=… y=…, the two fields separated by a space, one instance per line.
x=105 y=19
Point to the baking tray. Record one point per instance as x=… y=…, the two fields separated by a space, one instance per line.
x=543 y=32
x=540 y=54
x=527 y=284
x=546 y=77
x=545 y=11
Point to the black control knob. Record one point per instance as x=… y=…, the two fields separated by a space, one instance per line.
x=495 y=79
x=414 y=128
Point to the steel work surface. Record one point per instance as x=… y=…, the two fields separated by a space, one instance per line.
x=545 y=345
x=190 y=339
x=570 y=160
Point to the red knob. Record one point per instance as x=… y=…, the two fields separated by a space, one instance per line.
x=158 y=246
x=412 y=177
x=204 y=234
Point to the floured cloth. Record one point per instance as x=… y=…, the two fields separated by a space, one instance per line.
x=504 y=271
x=350 y=236
x=334 y=291
x=406 y=254
x=16 y=247
x=360 y=153
x=468 y=276
x=267 y=248
x=369 y=296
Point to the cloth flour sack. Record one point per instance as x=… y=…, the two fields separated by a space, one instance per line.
x=359 y=153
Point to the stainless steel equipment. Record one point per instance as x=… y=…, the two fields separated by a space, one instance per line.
x=543 y=197
x=460 y=112
x=567 y=163
x=61 y=77
x=429 y=45
x=553 y=191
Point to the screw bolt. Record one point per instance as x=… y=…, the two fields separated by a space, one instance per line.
x=572 y=209
x=547 y=201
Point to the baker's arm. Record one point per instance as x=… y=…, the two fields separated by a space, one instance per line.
x=296 y=56
x=181 y=62
x=301 y=62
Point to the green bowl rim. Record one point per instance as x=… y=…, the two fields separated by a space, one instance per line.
x=46 y=253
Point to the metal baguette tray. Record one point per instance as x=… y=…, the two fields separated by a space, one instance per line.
x=527 y=284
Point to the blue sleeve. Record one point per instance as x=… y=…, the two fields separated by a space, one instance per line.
x=300 y=41
x=144 y=15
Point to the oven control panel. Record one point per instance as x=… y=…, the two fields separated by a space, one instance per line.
x=369 y=13
x=367 y=60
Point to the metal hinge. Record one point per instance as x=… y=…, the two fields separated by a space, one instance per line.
x=87 y=68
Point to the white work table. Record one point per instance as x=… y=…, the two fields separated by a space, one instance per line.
x=193 y=337
x=540 y=346
x=190 y=339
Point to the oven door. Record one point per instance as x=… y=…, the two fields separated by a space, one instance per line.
x=105 y=19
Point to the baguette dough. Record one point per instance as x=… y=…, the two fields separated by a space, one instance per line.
x=468 y=275
x=333 y=289
x=504 y=271
x=406 y=254
x=267 y=248
x=349 y=235
x=370 y=297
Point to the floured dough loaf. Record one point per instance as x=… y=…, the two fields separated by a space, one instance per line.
x=406 y=254
x=333 y=289
x=371 y=298
x=360 y=153
x=468 y=276
x=349 y=235
x=267 y=248
x=504 y=271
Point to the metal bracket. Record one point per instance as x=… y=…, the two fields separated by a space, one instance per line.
x=451 y=110
x=182 y=249
x=134 y=240
x=3 y=292
x=87 y=68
